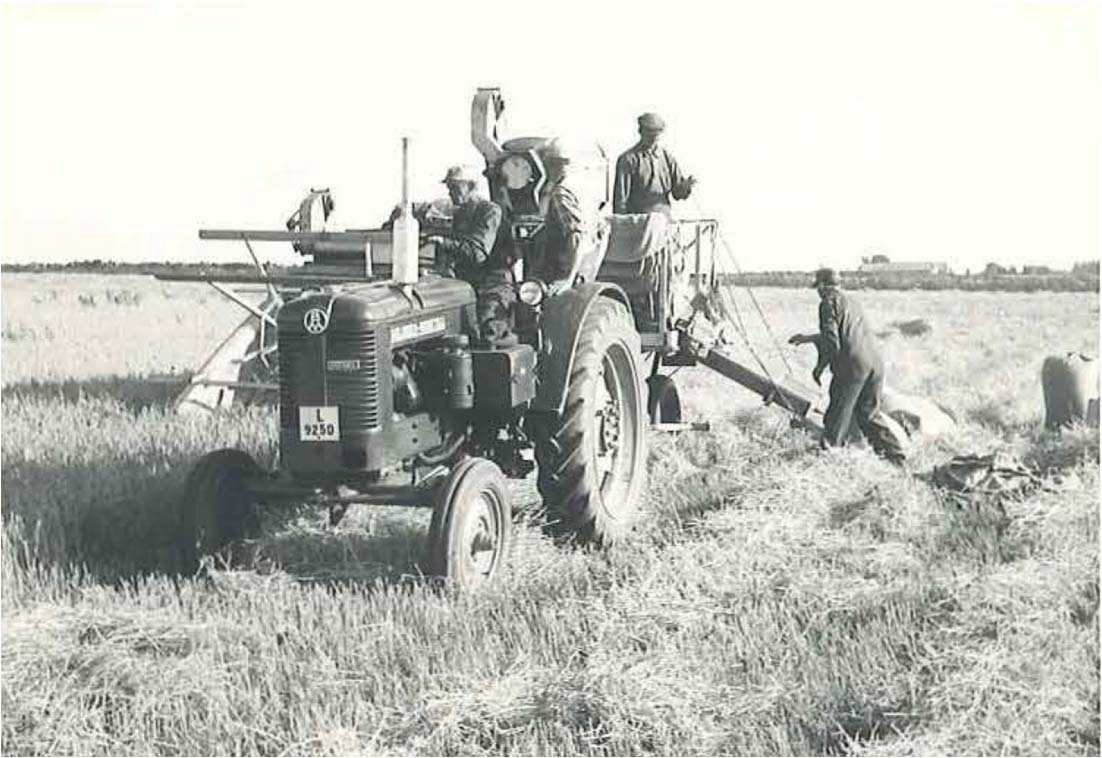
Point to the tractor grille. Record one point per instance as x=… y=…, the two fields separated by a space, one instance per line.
x=357 y=393
x=293 y=359
x=301 y=360
x=292 y=353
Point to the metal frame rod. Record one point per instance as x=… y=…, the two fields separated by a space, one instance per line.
x=405 y=173
x=379 y=495
x=289 y=279
x=760 y=385
x=235 y=385
x=240 y=301
x=272 y=293
x=277 y=235
x=254 y=354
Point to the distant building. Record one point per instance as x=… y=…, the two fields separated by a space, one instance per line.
x=875 y=266
x=1036 y=270
x=997 y=269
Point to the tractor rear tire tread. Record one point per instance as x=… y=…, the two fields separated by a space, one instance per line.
x=564 y=480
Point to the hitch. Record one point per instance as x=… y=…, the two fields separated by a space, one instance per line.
x=682 y=426
x=273 y=490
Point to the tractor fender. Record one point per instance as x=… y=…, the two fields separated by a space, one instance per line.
x=560 y=325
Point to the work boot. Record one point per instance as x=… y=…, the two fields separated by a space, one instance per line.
x=497 y=333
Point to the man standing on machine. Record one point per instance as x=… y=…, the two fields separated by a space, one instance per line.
x=647 y=174
x=571 y=245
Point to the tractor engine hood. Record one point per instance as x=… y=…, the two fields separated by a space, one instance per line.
x=360 y=305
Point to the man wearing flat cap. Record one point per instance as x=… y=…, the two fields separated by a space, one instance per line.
x=477 y=251
x=647 y=175
x=846 y=345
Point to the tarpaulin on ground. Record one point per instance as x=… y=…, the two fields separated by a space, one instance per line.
x=993 y=477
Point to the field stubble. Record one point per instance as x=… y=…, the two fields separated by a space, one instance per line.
x=773 y=600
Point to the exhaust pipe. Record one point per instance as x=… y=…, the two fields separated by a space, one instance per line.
x=406 y=234
x=486 y=109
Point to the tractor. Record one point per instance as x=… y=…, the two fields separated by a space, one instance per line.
x=384 y=398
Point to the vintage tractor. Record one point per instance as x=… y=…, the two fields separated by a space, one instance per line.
x=385 y=399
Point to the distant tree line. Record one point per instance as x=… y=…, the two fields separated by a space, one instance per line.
x=1083 y=277
x=97 y=266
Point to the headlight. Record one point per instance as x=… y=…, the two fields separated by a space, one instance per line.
x=532 y=292
x=516 y=172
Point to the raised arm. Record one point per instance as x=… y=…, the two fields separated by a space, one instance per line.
x=681 y=186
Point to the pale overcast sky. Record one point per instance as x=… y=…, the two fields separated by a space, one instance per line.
x=819 y=133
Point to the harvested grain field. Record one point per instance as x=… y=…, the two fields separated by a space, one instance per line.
x=773 y=600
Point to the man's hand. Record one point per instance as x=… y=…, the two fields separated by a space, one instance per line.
x=723 y=337
x=684 y=188
x=817 y=375
x=442 y=258
x=443 y=264
x=558 y=285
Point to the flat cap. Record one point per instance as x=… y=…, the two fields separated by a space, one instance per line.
x=562 y=150
x=827 y=276
x=651 y=122
x=464 y=173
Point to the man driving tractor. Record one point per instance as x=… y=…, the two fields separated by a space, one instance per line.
x=478 y=251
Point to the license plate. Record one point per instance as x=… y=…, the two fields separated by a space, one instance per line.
x=319 y=423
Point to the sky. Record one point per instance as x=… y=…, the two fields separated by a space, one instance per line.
x=819 y=133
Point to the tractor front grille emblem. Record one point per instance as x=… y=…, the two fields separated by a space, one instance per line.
x=315 y=320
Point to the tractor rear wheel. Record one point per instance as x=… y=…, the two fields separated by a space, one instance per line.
x=471 y=524
x=592 y=456
x=218 y=511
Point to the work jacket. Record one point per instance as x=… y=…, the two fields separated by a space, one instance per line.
x=845 y=343
x=477 y=244
x=564 y=232
x=646 y=177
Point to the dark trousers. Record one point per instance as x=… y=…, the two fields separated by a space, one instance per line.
x=855 y=390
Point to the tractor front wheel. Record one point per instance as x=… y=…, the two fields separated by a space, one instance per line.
x=471 y=524
x=592 y=456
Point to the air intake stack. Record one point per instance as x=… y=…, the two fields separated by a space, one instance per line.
x=406 y=233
